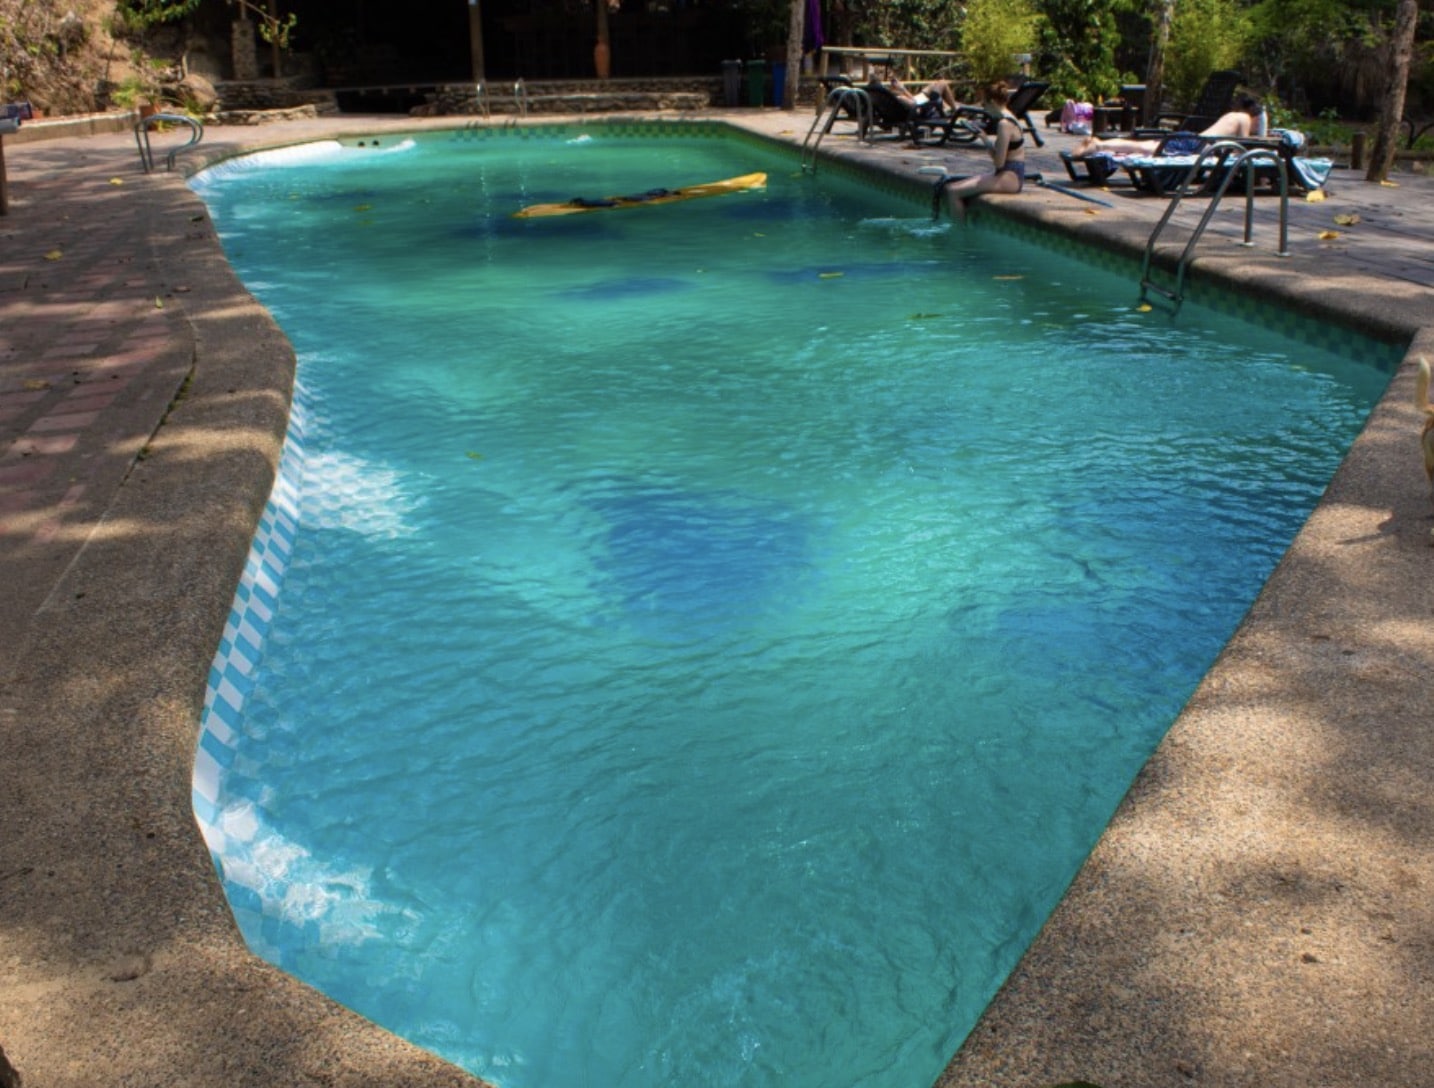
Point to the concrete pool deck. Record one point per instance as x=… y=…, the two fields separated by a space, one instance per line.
x=1259 y=912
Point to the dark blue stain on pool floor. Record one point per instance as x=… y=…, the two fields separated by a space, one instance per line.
x=627 y=287
x=694 y=563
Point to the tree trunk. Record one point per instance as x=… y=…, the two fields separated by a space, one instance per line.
x=602 y=48
x=1155 y=71
x=795 y=27
x=1391 y=107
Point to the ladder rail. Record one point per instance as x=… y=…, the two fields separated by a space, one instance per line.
x=1220 y=151
x=837 y=100
x=141 y=137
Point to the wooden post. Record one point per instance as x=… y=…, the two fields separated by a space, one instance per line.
x=4 y=183
x=1356 y=151
x=795 y=26
x=475 y=39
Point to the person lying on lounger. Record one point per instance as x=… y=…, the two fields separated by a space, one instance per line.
x=1238 y=123
x=936 y=95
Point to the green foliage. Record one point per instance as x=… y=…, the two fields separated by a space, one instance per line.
x=138 y=15
x=132 y=91
x=1327 y=130
x=993 y=32
x=1077 y=47
x=909 y=24
x=1206 y=36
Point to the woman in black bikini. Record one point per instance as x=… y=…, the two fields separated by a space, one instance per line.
x=1008 y=153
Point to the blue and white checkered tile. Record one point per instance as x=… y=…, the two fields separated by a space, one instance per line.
x=231 y=675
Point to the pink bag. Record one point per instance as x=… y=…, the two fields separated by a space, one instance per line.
x=1076 y=117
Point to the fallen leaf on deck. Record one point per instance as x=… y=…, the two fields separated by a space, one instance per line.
x=1347 y=220
x=1314 y=196
x=1328 y=235
x=53 y=255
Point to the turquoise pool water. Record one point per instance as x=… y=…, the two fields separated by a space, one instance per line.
x=715 y=634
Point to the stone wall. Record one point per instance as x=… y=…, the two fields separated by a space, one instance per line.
x=576 y=96
x=541 y=96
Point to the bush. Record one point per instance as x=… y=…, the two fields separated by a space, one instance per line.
x=1206 y=36
x=995 y=31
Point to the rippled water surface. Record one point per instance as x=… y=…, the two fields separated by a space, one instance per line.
x=718 y=632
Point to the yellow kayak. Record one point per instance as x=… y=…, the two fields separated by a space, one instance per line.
x=642 y=200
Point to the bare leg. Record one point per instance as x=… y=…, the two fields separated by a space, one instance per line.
x=958 y=192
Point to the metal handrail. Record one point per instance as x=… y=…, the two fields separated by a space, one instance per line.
x=837 y=100
x=141 y=137
x=520 y=96
x=1219 y=150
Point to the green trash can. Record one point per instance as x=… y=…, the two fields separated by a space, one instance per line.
x=756 y=82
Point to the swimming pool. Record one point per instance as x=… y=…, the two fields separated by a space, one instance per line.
x=709 y=655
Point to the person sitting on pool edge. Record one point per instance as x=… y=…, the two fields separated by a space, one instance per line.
x=1008 y=156
x=935 y=97
x=1238 y=124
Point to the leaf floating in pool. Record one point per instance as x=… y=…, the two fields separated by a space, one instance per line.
x=758 y=234
x=1144 y=308
x=473 y=455
x=924 y=317
x=363 y=207
x=1347 y=220
x=830 y=275
x=1009 y=277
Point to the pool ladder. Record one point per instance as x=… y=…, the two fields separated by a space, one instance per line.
x=852 y=99
x=141 y=137
x=1218 y=151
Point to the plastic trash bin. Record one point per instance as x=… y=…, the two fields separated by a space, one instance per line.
x=779 y=83
x=731 y=83
x=756 y=82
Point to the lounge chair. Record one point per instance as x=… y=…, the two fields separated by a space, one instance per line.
x=1169 y=166
x=894 y=114
x=1216 y=99
x=1096 y=169
x=956 y=128
x=1303 y=174
x=1160 y=172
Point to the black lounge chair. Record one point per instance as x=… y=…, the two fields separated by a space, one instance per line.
x=1095 y=169
x=1216 y=99
x=894 y=114
x=958 y=127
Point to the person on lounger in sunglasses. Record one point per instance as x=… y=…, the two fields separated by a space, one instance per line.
x=934 y=99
